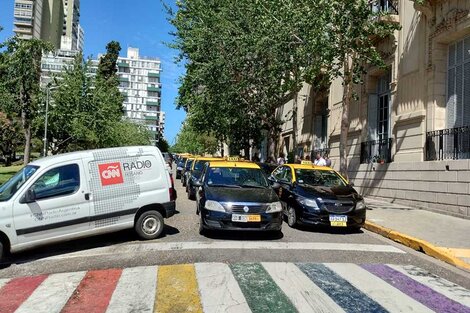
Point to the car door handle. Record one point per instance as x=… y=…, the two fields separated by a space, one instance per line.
x=87 y=196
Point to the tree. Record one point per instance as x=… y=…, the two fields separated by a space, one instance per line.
x=107 y=68
x=163 y=145
x=9 y=140
x=21 y=71
x=192 y=141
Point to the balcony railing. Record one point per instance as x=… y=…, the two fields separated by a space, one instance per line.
x=376 y=151
x=384 y=6
x=448 y=144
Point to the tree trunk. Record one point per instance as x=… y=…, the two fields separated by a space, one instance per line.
x=294 y=125
x=343 y=139
x=27 y=138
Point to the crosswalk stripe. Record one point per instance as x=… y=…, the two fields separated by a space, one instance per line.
x=261 y=292
x=219 y=290
x=416 y=290
x=17 y=290
x=94 y=292
x=177 y=289
x=135 y=291
x=302 y=292
x=387 y=296
x=232 y=245
x=3 y=282
x=441 y=285
x=340 y=290
x=52 y=294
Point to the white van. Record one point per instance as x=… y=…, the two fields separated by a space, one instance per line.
x=86 y=193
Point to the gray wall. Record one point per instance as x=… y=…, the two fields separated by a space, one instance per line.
x=427 y=185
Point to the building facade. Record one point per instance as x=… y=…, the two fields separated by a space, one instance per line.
x=409 y=134
x=55 y=21
x=139 y=81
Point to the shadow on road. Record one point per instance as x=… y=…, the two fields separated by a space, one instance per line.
x=244 y=235
x=98 y=241
x=329 y=230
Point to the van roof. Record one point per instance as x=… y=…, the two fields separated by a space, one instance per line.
x=108 y=153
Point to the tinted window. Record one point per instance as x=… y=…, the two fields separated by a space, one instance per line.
x=319 y=178
x=236 y=177
x=60 y=181
x=188 y=164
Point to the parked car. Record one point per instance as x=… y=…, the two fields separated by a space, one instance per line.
x=317 y=195
x=236 y=196
x=186 y=170
x=86 y=193
x=195 y=174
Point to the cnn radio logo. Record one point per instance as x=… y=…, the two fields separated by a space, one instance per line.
x=110 y=173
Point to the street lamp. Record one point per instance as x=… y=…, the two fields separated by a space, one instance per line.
x=48 y=95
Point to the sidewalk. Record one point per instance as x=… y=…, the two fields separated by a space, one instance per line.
x=444 y=237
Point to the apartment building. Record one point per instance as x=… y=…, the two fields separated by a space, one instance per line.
x=139 y=81
x=56 y=21
x=409 y=134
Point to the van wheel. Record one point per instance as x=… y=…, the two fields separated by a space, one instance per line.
x=149 y=225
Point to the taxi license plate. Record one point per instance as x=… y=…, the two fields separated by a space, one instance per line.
x=338 y=220
x=245 y=218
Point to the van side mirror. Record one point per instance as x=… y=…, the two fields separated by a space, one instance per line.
x=29 y=196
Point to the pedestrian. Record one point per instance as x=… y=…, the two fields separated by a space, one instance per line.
x=280 y=159
x=327 y=161
x=298 y=160
x=307 y=157
x=319 y=160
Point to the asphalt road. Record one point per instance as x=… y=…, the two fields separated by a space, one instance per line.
x=182 y=244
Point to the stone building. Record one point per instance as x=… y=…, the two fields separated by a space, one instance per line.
x=409 y=136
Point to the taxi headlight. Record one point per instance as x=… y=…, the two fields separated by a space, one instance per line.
x=274 y=207
x=309 y=203
x=214 y=206
x=360 y=205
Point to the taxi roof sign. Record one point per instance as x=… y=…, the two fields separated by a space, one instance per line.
x=233 y=159
x=306 y=162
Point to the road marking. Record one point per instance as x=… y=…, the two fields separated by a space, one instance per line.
x=135 y=291
x=94 y=292
x=17 y=290
x=219 y=290
x=261 y=292
x=302 y=292
x=52 y=294
x=340 y=290
x=387 y=296
x=3 y=282
x=441 y=285
x=177 y=289
x=427 y=296
x=132 y=249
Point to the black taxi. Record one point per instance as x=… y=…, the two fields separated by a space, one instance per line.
x=236 y=195
x=317 y=195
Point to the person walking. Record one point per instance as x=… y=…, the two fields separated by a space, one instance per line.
x=327 y=161
x=319 y=160
x=280 y=159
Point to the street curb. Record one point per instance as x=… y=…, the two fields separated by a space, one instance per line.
x=417 y=244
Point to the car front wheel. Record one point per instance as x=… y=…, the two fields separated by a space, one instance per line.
x=291 y=216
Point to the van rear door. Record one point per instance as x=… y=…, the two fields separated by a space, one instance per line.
x=55 y=204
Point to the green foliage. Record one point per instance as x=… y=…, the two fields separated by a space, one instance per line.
x=191 y=141
x=163 y=145
x=107 y=67
x=9 y=139
x=244 y=58
x=20 y=72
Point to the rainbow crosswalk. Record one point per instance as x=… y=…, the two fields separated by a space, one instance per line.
x=237 y=288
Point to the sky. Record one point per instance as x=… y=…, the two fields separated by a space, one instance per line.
x=141 y=24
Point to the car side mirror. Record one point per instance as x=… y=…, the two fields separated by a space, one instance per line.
x=197 y=183
x=351 y=184
x=276 y=185
x=271 y=179
x=29 y=196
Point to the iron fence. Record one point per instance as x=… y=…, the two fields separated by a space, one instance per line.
x=385 y=6
x=378 y=151
x=448 y=144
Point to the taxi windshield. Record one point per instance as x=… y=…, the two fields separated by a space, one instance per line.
x=237 y=177
x=9 y=188
x=319 y=178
